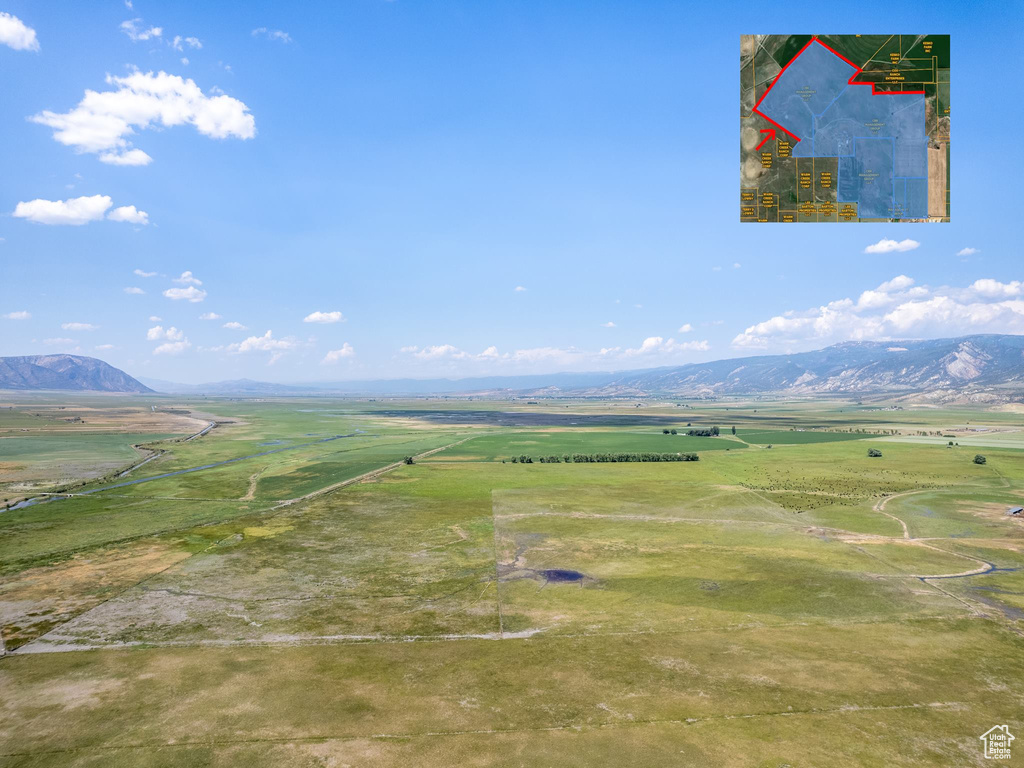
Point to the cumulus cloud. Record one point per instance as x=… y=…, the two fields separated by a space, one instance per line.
x=20 y=314
x=159 y=333
x=888 y=246
x=897 y=308
x=448 y=355
x=272 y=34
x=264 y=343
x=967 y=252
x=77 y=211
x=78 y=326
x=209 y=316
x=58 y=342
x=134 y=290
x=191 y=293
x=657 y=345
x=102 y=120
x=155 y=319
x=15 y=34
x=235 y=326
x=74 y=212
x=140 y=273
x=337 y=355
x=324 y=317
x=187 y=278
x=609 y=324
x=172 y=347
x=519 y=289
x=138 y=32
x=129 y=214
x=685 y=328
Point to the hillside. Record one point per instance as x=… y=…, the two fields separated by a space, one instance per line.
x=72 y=372
x=984 y=367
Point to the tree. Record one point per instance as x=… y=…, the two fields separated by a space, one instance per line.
x=979 y=459
x=409 y=460
x=874 y=453
x=674 y=432
x=664 y=432
x=734 y=429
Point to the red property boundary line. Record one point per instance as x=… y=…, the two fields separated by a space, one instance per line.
x=874 y=92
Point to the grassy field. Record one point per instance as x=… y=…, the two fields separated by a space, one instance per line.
x=799 y=605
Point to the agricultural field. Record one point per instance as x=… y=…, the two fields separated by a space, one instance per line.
x=287 y=589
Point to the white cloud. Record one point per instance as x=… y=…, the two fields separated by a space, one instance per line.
x=20 y=314
x=140 y=273
x=449 y=356
x=656 y=345
x=272 y=34
x=78 y=326
x=155 y=319
x=138 y=32
x=74 y=212
x=685 y=328
x=336 y=355
x=736 y=265
x=172 y=347
x=187 y=278
x=102 y=120
x=179 y=42
x=159 y=333
x=888 y=246
x=324 y=317
x=129 y=157
x=264 y=343
x=519 y=289
x=995 y=289
x=967 y=252
x=15 y=34
x=129 y=214
x=134 y=290
x=896 y=309
x=235 y=326
x=609 y=324
x=209 y=316
x=191 y=293
x=58 y=342
x=77 y=211
x=103 y=347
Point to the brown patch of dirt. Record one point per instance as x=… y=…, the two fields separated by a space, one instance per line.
x=36 y=600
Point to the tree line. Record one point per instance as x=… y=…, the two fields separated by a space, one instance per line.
x=604 y=458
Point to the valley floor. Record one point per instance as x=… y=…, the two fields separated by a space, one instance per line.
x=786 y=600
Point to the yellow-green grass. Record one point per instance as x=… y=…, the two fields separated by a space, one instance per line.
x=496 y=447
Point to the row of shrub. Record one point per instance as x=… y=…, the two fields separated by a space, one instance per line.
x=604 y=458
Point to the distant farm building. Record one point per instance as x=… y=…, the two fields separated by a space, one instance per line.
x=1016 y=511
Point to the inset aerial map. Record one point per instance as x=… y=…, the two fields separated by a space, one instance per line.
x=844 y=128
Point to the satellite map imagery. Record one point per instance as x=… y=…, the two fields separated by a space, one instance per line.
x=843 y=128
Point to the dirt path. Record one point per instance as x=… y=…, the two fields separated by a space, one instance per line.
x=880 y=507
x=368 y=475
x=254 y=478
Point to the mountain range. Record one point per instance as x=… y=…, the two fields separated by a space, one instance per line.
x=985 y=368
x=65 y=372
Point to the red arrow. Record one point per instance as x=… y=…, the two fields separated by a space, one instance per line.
x=771 y=135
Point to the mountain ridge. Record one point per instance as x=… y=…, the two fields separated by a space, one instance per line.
x=65 y=372
x=986 y=367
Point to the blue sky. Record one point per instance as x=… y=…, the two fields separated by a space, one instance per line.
x=457 y=188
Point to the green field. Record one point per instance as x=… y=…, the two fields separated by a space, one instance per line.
x=757 y=607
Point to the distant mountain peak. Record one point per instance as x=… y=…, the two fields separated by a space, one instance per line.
x=70 y=372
